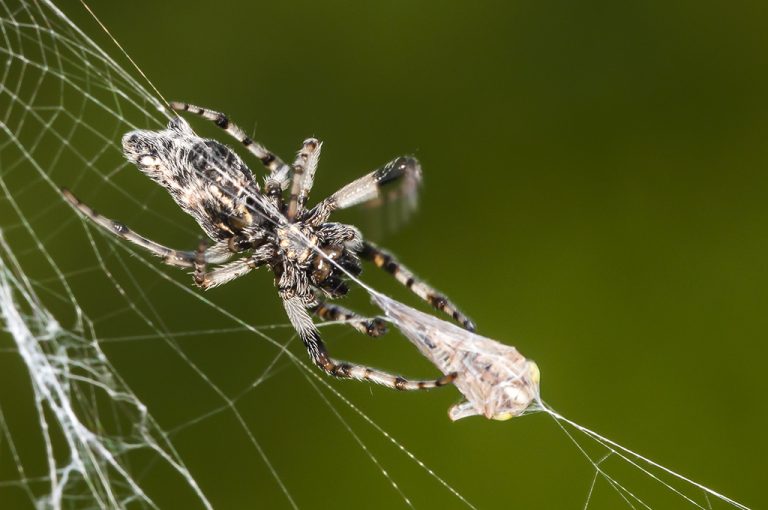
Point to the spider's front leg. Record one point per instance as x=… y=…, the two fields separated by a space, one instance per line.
x=402 y=274
x=330 y=312
x=268 y=159
x=279 y=172
x=303 y=177
x=302 y=322
x=400 y=178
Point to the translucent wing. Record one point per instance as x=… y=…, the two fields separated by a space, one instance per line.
x=497 y=381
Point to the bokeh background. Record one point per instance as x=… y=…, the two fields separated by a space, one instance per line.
x=596 y=176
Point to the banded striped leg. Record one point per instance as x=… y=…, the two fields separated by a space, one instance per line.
x=302 y=322
x=372 y=327
x=303 y=177
x=216 y=254
x=378 y=185
x=279 y=172
x=403 y=275
x=200 y=264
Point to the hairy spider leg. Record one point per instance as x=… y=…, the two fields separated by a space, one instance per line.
x=197 y=260
x=302 y=323
x=235 y=269
x=371 y=187
x=216 y=254
x=267 y=158
x=200 y=264
x=387 y=262
x=330 y=312
x=303 y=177
x=279 y=172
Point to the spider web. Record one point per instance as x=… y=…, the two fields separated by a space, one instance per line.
x=88 y=429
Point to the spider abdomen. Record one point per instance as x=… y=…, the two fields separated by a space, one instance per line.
x=205 y=178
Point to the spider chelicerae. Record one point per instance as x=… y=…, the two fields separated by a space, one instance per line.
x=303 y=249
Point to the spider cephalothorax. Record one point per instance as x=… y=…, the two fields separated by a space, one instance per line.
x=309 y=256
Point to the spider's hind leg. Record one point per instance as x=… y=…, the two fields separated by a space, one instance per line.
x=216 y=254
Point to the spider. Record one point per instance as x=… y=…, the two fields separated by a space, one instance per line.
x=307 y=254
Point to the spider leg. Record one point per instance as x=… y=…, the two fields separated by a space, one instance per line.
x=330 y=312
x=301 y=321
x=279 y=172
x=200 y=264
x=303 y=177
x=235 y=269
x=216 y=254
x=267 y=158
x=387 y=262
x=373 y=187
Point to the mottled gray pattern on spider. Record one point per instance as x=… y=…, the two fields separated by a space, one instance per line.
x=213 y=185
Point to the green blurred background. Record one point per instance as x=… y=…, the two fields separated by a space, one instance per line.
x=595 y=194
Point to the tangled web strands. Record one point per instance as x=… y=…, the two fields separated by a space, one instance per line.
x=62 y=365
x=64 y=105
x=56 y=87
